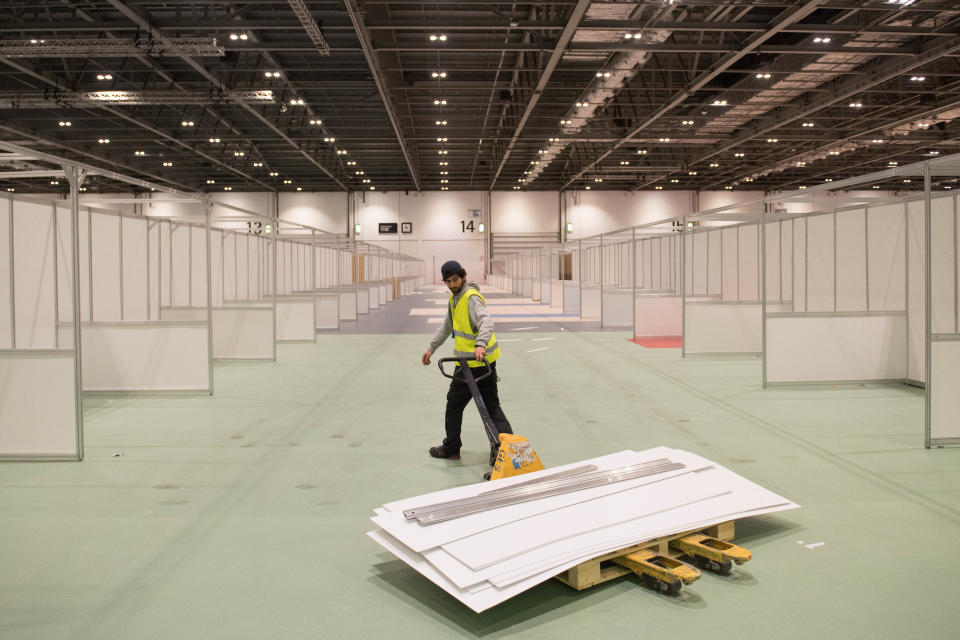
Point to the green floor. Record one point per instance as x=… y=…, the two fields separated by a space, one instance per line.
x=243 y=515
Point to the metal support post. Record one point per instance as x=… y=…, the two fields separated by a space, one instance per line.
x=75 y=177
x=207 y=209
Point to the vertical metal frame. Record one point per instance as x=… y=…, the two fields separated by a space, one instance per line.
x=207 y=211
x=75 y=178
x=56 y=276
x=683 y=286
x=927 y=302
x=13 y=280
x=763 y=292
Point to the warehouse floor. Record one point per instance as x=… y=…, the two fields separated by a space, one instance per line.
x=242 y=515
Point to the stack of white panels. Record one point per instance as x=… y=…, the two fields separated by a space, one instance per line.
x=508 y=546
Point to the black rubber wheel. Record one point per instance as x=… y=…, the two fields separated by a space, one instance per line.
x=672 y=588
x=726 y=567
x=486 y=476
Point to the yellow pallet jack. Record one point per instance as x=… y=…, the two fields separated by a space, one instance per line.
x=655 y=563
x=515 y=454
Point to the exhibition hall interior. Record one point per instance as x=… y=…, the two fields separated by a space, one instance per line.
x=690 y=270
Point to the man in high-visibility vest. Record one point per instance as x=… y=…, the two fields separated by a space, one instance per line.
x=469 y=323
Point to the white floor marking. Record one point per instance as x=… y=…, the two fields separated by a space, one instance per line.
x=522 y=328
x=814 y=545
x=539 y=339
x=540 y=349
x=508 y=340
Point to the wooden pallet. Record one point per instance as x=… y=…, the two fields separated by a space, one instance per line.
x=600 y=569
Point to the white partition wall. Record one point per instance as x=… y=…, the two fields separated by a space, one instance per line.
x=942 y=309
x=40 y=406
x=837 y=331
x=658 y=303
x=723 y=312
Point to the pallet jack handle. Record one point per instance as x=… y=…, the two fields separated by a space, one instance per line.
x=492 y=434
x=463 y=362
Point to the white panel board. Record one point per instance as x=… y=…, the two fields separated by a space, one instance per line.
x=723 y=328
x=730 y=247
x=820 y=263
x=37 y=405
x=943 y=385
x=836 y=348
x=943 y=253
x=658 y=316
x=183 y=314
x=556 y=294
x=180 y=281
x=134 y=232
x=245 y=333
x=749 y=261
x=198 y=267
x=348 y=305
x=145 y=357
x=295 y=320
x=571 y=296
x=916 y=297
x=373 y=297
x=590 y=307
x=851 y=261
x=6 y=339
x=617 y=311
x=106 y=267
x=34 y=253
x=886 y=231
x=363 y=300
x=328 y=311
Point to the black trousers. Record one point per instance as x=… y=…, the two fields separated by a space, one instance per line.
x=458 y=397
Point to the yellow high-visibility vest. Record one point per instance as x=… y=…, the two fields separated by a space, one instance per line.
x=464 y=338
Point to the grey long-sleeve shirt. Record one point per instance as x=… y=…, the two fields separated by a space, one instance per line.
x=480 y=320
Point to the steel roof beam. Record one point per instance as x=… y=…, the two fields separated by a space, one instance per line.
x=785 y=19
x=363 y=35
x=573 y=23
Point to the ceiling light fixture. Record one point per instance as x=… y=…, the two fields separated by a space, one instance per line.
x=658 y=188
x=719 y=103
x=439 y=102
x=297 y=102
x=714 y=165
x=272 y=74
x=186 y=123
x=808 y=125
x=822 y=39
x=139 y=153
x=104 y=141
x=316 y=123
x=438 y=36
x=603 y=74
x=168 y=164
x=763 y=76
x=213 y=140
x=65 y=123
x=641 y=152
x=241 y=36
x=439 y=74
x=917 y=78
x=104 y=76
x=274 y=174
x=855 y=105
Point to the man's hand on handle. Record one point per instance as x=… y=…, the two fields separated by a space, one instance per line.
x=479 y=354
x=425 y=358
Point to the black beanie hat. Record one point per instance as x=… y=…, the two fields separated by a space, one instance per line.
x=452 y=268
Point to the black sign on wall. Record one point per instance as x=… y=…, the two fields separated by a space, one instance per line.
x=388 y=227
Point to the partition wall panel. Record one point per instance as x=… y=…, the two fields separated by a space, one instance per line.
x=40 y=414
